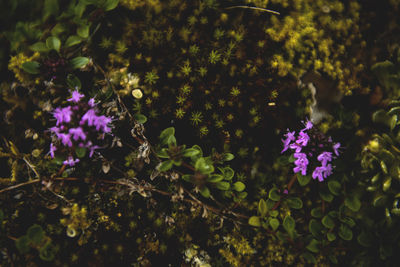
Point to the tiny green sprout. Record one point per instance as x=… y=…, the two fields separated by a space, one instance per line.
x=219 y=123
x=243 y=152
x=106 y=42
x=219 y=33
x=194 y=49
x=196 y=117
x=203 y=131
x=180 y=100
x=179 y=113
x=192 y=20
x=151 y=77
x=253 y=111
x=120 y=47
x=235 y=91
x=202 y=71
x=221 y=103
x=186 y=69
x=214 y=57
x=185 y=89
x=239 y=133
x=207 y=106
x=203 y=20
x=153 y=113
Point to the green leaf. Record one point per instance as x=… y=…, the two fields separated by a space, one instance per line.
x=262 y=208
x=333 y=259
x=309 y=258
x=393 y=122
x=53 y=43
x=239 y=186
x=187 y=177
x=31 y=67
x=73 y=40
x=80 y=152
x=386 y=184
x=228 y=157
x=79 y=9
x=353 y=203
x=78 y=62
x=39 y=47
x=22 y=244
x=50 y=8
x=83 y=31
x=223 y=186
x=315 y=228
x=228 y=173
x=274 y=195
x=349 y=221
x=328 y=222
x=35 y=234
x=140 y=118
x=274 y=223
x=167 y=133
x=110 y=5
x=294 y=202
x=215 y=178
x=165 y=166
x=202 y=166
x=73 y=82
x=334 y=187
x=289 y=223
x=190 y=152
x=163 y=153
x=330 y=236
x=313 y=246
x=325 y=194
x=365 y=239
x=205 y=192
x=255 y=221
x=272 y=213
x=345 y=232
x=303 y=180
x=58 y=29
x=47 y=252
x=316 y=212
x=379 y=200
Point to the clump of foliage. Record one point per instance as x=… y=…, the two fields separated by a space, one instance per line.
x=149 y=133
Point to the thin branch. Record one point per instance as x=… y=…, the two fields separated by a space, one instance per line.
x=255 y=8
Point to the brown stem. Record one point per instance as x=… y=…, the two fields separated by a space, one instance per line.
x=188 y=166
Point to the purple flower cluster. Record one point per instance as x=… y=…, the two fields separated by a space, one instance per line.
x=312 y=150
x=78 y=125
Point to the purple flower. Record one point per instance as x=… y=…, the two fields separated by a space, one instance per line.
x=77 y=133
x=322 y=172
x=52 y=149
x=324 y=157
x=89 y=117
x=301 y=163
x=70 y=161
x=335 y=148
x=91 y=103
x=101 y=123
x=76 y=97
x=302 y=139
x=92 y=149
x=62 y=115
x=308 y=125
x=318 y=173
x=65 y=139
x=328 y=170
x=289 y=138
